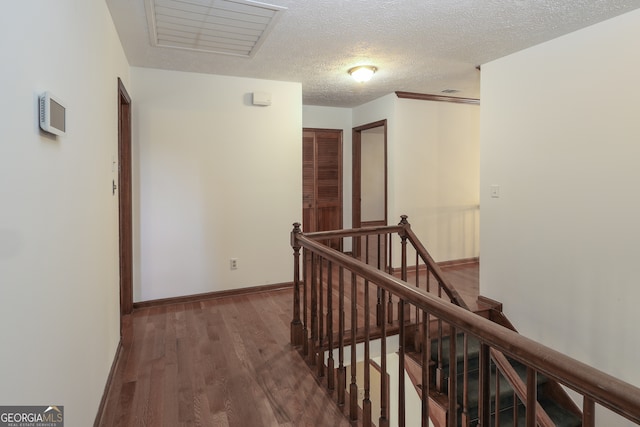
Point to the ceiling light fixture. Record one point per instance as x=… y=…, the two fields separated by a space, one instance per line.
x=362 y=73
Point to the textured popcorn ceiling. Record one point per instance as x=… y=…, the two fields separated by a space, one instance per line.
x=423 y=46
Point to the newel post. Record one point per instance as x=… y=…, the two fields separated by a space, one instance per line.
x=403 y=316
x=296 y=324
x=403 y=236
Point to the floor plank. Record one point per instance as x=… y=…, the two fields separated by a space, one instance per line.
x=220 y=362
x=228 y=362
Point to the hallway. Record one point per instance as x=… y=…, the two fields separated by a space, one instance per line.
x=223 y=362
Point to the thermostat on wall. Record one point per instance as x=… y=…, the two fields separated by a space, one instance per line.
x=52 y=114
x=261 y=98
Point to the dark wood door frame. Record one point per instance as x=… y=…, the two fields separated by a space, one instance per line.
x=356 y=208
x=125 y=204
x=356 y=183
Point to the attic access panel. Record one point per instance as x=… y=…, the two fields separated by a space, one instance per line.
x=229 y=27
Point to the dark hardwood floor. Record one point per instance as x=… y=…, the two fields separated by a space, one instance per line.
x=224 y=362
x=221 y=362
x=465 y=279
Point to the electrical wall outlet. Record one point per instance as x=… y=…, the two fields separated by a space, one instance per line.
x=233 y=263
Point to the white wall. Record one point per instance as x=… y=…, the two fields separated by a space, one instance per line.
x=217 y=178
x=560 y=135
x=436 y=163
x=433 y=170
x=372 y=169
x=59 y=294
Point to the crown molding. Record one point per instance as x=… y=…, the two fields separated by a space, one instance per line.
x=439 y=98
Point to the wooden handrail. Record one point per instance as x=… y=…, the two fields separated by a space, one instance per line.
x=403 y=228
x=435 y=269
x=353 y=232
x=606 y=390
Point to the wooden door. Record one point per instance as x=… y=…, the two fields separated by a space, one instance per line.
x=322 y=181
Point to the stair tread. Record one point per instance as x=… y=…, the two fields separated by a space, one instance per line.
x=473 y=348
x=561 y=416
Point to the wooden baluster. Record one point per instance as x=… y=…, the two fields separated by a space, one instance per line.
x=439 y=356
x=320 y=344
x=342 y=370
x=453 y=378
x=532 y=397
x=497 y=399
x=296 y=324
x=484 y=388
x=314 y=309
x=404 y=271
x=366 y=249
x=389 y=314
x=439 y=371
x=353 y=388
x=380 y=296
x=515 y=409
x=379 y=253
x=305 y=303
x=389 y=261
x=426 y=355
x=401 y=322
x=465 y=382
x=588 y=412
x=366 y=402
x=384 y=386
x=379 y=308
x=401 y=338
x=330 y=361
x=417 y=337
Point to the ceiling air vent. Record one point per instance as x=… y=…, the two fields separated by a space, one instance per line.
x=237 y=27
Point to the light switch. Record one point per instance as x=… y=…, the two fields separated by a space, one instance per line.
x=495 y=191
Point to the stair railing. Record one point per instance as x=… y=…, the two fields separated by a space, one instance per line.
x=519 y=387
x=500 y=361
x=322 y=311
x=433 y=269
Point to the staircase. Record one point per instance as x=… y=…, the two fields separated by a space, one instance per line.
x=511 y=410
x=340 y=301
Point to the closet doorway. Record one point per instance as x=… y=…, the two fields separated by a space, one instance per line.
x=322 y=181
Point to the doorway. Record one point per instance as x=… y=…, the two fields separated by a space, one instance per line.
x=369 y=180
x=322 y=181
x=370 y=174
x=124 y=205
